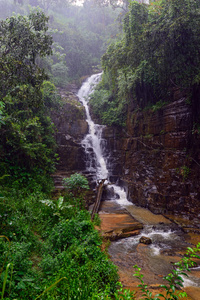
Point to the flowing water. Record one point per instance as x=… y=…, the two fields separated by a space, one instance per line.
x=95 y=162
x=168 y=241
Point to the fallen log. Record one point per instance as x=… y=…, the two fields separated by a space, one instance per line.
x=100 y=189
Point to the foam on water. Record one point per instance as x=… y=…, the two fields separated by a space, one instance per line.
x=122 y=195
x=187 y=281
x=154 y=235
x=155 y=250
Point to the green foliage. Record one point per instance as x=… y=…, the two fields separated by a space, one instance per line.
x=158 y=105
x=175 y=280
x=55 y=252
x=80 y=33
x=152 y=59
x=76 y=186
x=5 y=279
x=50 y=95
x=110 y=110
x=26 y=136
x=184 y=171
x=50 y=287
x=23 y=39
x=196 y=128
x=48 y=243
x=75 y=183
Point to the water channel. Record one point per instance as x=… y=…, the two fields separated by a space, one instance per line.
x=168 y=240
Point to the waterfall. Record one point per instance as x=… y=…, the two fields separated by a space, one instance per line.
x=95 y=161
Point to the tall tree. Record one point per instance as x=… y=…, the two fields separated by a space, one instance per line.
x=26 y=135
x=22 y=40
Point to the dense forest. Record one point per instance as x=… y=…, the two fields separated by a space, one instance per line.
x=49 y=246
x=157 y=54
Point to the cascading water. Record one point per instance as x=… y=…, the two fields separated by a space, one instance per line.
x=95 y=162
x=164 y=239
x=93 y=142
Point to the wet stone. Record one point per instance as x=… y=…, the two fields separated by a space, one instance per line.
x=116 y=223
x=145 y=240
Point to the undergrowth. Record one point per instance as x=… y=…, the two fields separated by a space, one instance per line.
x=50 y=250
x=44 y=240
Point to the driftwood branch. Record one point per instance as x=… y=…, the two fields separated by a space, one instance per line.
x=98 y=199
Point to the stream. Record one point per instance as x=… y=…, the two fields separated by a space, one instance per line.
x=118 y=214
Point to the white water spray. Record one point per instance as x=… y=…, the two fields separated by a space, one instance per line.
x=92 y=142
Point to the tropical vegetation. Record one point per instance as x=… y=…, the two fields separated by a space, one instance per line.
x=157 y=55
x=50 y=243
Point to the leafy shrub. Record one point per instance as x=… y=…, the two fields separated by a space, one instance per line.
x=75 y=183
x=66 y=232
x=111 y=110
x=158 y=105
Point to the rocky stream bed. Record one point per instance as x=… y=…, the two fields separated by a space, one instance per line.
x=124 y=227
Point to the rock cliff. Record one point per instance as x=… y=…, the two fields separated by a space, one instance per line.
x=156 y=157
x=71 y=127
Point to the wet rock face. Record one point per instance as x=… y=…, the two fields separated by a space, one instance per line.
x=70 y=129
x=116 y=223
x=156 y=159
x=145 y=240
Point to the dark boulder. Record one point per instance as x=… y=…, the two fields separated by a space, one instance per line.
x=145 y=240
